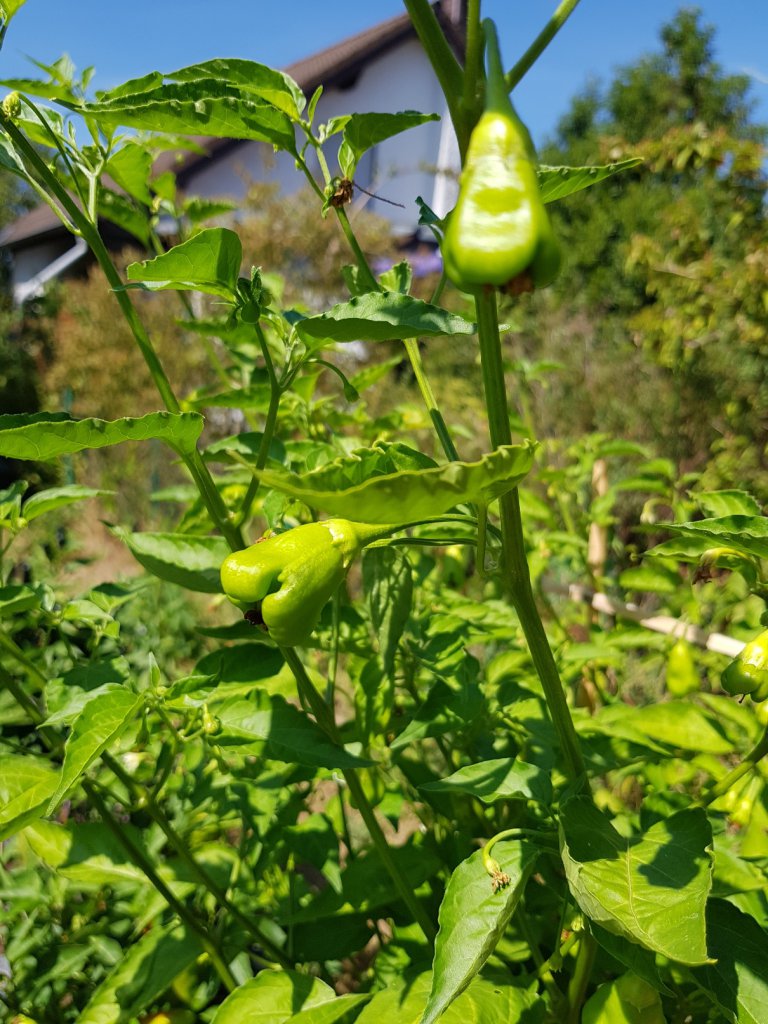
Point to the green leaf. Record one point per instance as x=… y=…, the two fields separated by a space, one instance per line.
x=86 y=853
x=181 y=558
x=142 y=976
x=651 y=890
x=486 y=1001
x=678 y=723
x=58 y=497
x=248 y=444
x=388 y=583
x=363 y=131
x=719 y=504
x=101 y=722
x=44 y=436
x=654 y=578
x=17 y=598
x=26 y=784
x=448 y=707
x=559 y=182
x=130 y=167
x=499 y=779
x=381 y=316
x=638 y=960
x=744 y=533
x=341 y=1010
x=201 y=107
x=406 y=495
x=208 y=262
x=273 y=998
x=125 y=214
x=9 y=7
x=287 y=734
x=472 y=920
x=626 y=1000
x=738 y=980
x=275 y=87
x=66 y=696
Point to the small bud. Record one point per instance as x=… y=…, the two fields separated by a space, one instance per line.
x=11 y=106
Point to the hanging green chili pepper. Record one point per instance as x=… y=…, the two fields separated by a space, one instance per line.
x=499 y=233
x=748 y=672
x=283 y=582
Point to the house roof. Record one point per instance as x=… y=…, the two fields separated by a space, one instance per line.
x=330 y=67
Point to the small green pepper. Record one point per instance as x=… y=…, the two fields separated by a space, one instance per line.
x=682 y=676
x=284 y=581
x=748 y=672
x=499 y=232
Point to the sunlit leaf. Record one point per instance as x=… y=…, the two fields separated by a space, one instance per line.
x=363 y=131
x=286 y=733
x=397 y=497
x=208 y=262
x=498 y=779
x=651 y=890
x=273 y=998
x=201 y=107
x=46 y=435
x=559 y=182
x=101 y=722
x=473 y=918
x=737 y=980
x=381 y=316
x=181 y=558
x=26 y=784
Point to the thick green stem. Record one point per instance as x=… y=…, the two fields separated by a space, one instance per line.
x=181 y=911
x=88 y=230
x=577 y=988
x=541 y=42
x=473 y=61
x=758 y=752
x=325 y=719
x=514 y=562
x=443 y=60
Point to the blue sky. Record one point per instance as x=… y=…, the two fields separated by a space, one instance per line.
x=127 y=39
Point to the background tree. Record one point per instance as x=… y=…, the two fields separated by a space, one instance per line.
x=658 y=319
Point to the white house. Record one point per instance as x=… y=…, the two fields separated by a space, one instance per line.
x=382 y=69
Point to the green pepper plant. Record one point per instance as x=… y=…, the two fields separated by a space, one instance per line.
x=407 y=779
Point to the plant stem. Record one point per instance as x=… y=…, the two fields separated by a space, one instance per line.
x=443 y=60
x=89 y=231
x=515 y=565
x=577 y=988
x=427 y=394
x=354 y=245
x=541 y=42
x=275 y=394
x=758 y=752
x=18 y=655
x=158 y=816
x=138 y=857
x=473 y=61
x=324 y=717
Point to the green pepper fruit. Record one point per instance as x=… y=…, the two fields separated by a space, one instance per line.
x=284 y=581
x=499 y=233
x=627 y=1000
x=682 y=676
x=748 y=672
